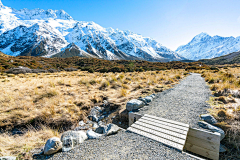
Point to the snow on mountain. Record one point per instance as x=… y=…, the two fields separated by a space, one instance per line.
x=204 y=46
x=37 y=40
x=54 y=30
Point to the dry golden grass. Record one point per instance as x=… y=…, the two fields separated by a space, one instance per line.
x=18 y=145
x=226 y=106
x=58 y=99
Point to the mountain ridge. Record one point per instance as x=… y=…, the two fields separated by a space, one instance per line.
x=96 y=41
x=204 y=46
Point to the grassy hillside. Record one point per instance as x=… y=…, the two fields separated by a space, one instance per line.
x=92 y=64
x=231 y=58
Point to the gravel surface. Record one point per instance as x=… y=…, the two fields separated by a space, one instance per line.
x=124 y=145
x=184 y=103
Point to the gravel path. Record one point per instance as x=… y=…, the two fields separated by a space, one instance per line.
x=185 y=102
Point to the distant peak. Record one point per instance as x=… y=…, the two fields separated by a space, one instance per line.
x=203 y=34
x=1 y=5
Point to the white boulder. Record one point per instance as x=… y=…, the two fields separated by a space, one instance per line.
x=134 y=104
x=52 y=146
x=72 y=139
x=93 y=135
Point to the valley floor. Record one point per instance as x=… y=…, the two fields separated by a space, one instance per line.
x=35 y=107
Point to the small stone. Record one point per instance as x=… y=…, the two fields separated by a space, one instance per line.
x=152 y=95
x=81 y=128
x=134 y=104
x=112 y=129
x=93 y=118
x=95 y=126
x=52 y=146
x=148 y=99
x=101 y=117
x=93 y=135
x=212 y=128
x=101 y=129
x=143 y=100
x=105 y=101
x=71 y=139
x=81 y=123
x=8 y=158
x=208 y=118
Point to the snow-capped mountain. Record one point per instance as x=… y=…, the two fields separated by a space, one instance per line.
x=38 y=40
x=204 y=46
x=47 y=33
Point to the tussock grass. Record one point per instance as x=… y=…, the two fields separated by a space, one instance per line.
x=225 y=106
x=63 y=99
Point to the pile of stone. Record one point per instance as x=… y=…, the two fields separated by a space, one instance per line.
x=92 y=129
x=135 y=104
x=207 y=122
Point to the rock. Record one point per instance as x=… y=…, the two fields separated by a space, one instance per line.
x=8 y=158
x=208 y=118
x=101 y=129
x=101 y=117
x=52 y=146
x=71 y=139
x=95 y=126
x=112 y=129
x=101 y=123
x=222 y=148
x=19 y=70
x=148 y=99
x=134 y=104
x=153 y=96
x=212 y=128
x=235 y=93
x=81 y=123
x=93 y=135
x=93 y=118
x=105 y=101
x=89 y=122
x=81 y=128
x=95 y=114
x=143 y=100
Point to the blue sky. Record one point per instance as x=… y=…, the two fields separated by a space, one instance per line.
x=170 y=22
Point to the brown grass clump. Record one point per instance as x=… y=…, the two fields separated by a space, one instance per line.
x=222 y=113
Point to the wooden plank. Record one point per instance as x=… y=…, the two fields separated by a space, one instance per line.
x=162 y=130
x=156 y=138
x=202 y=151
x=163 y=125
x=159 y=134
x=205 y=135
x=166 y=120
x=203 y=143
